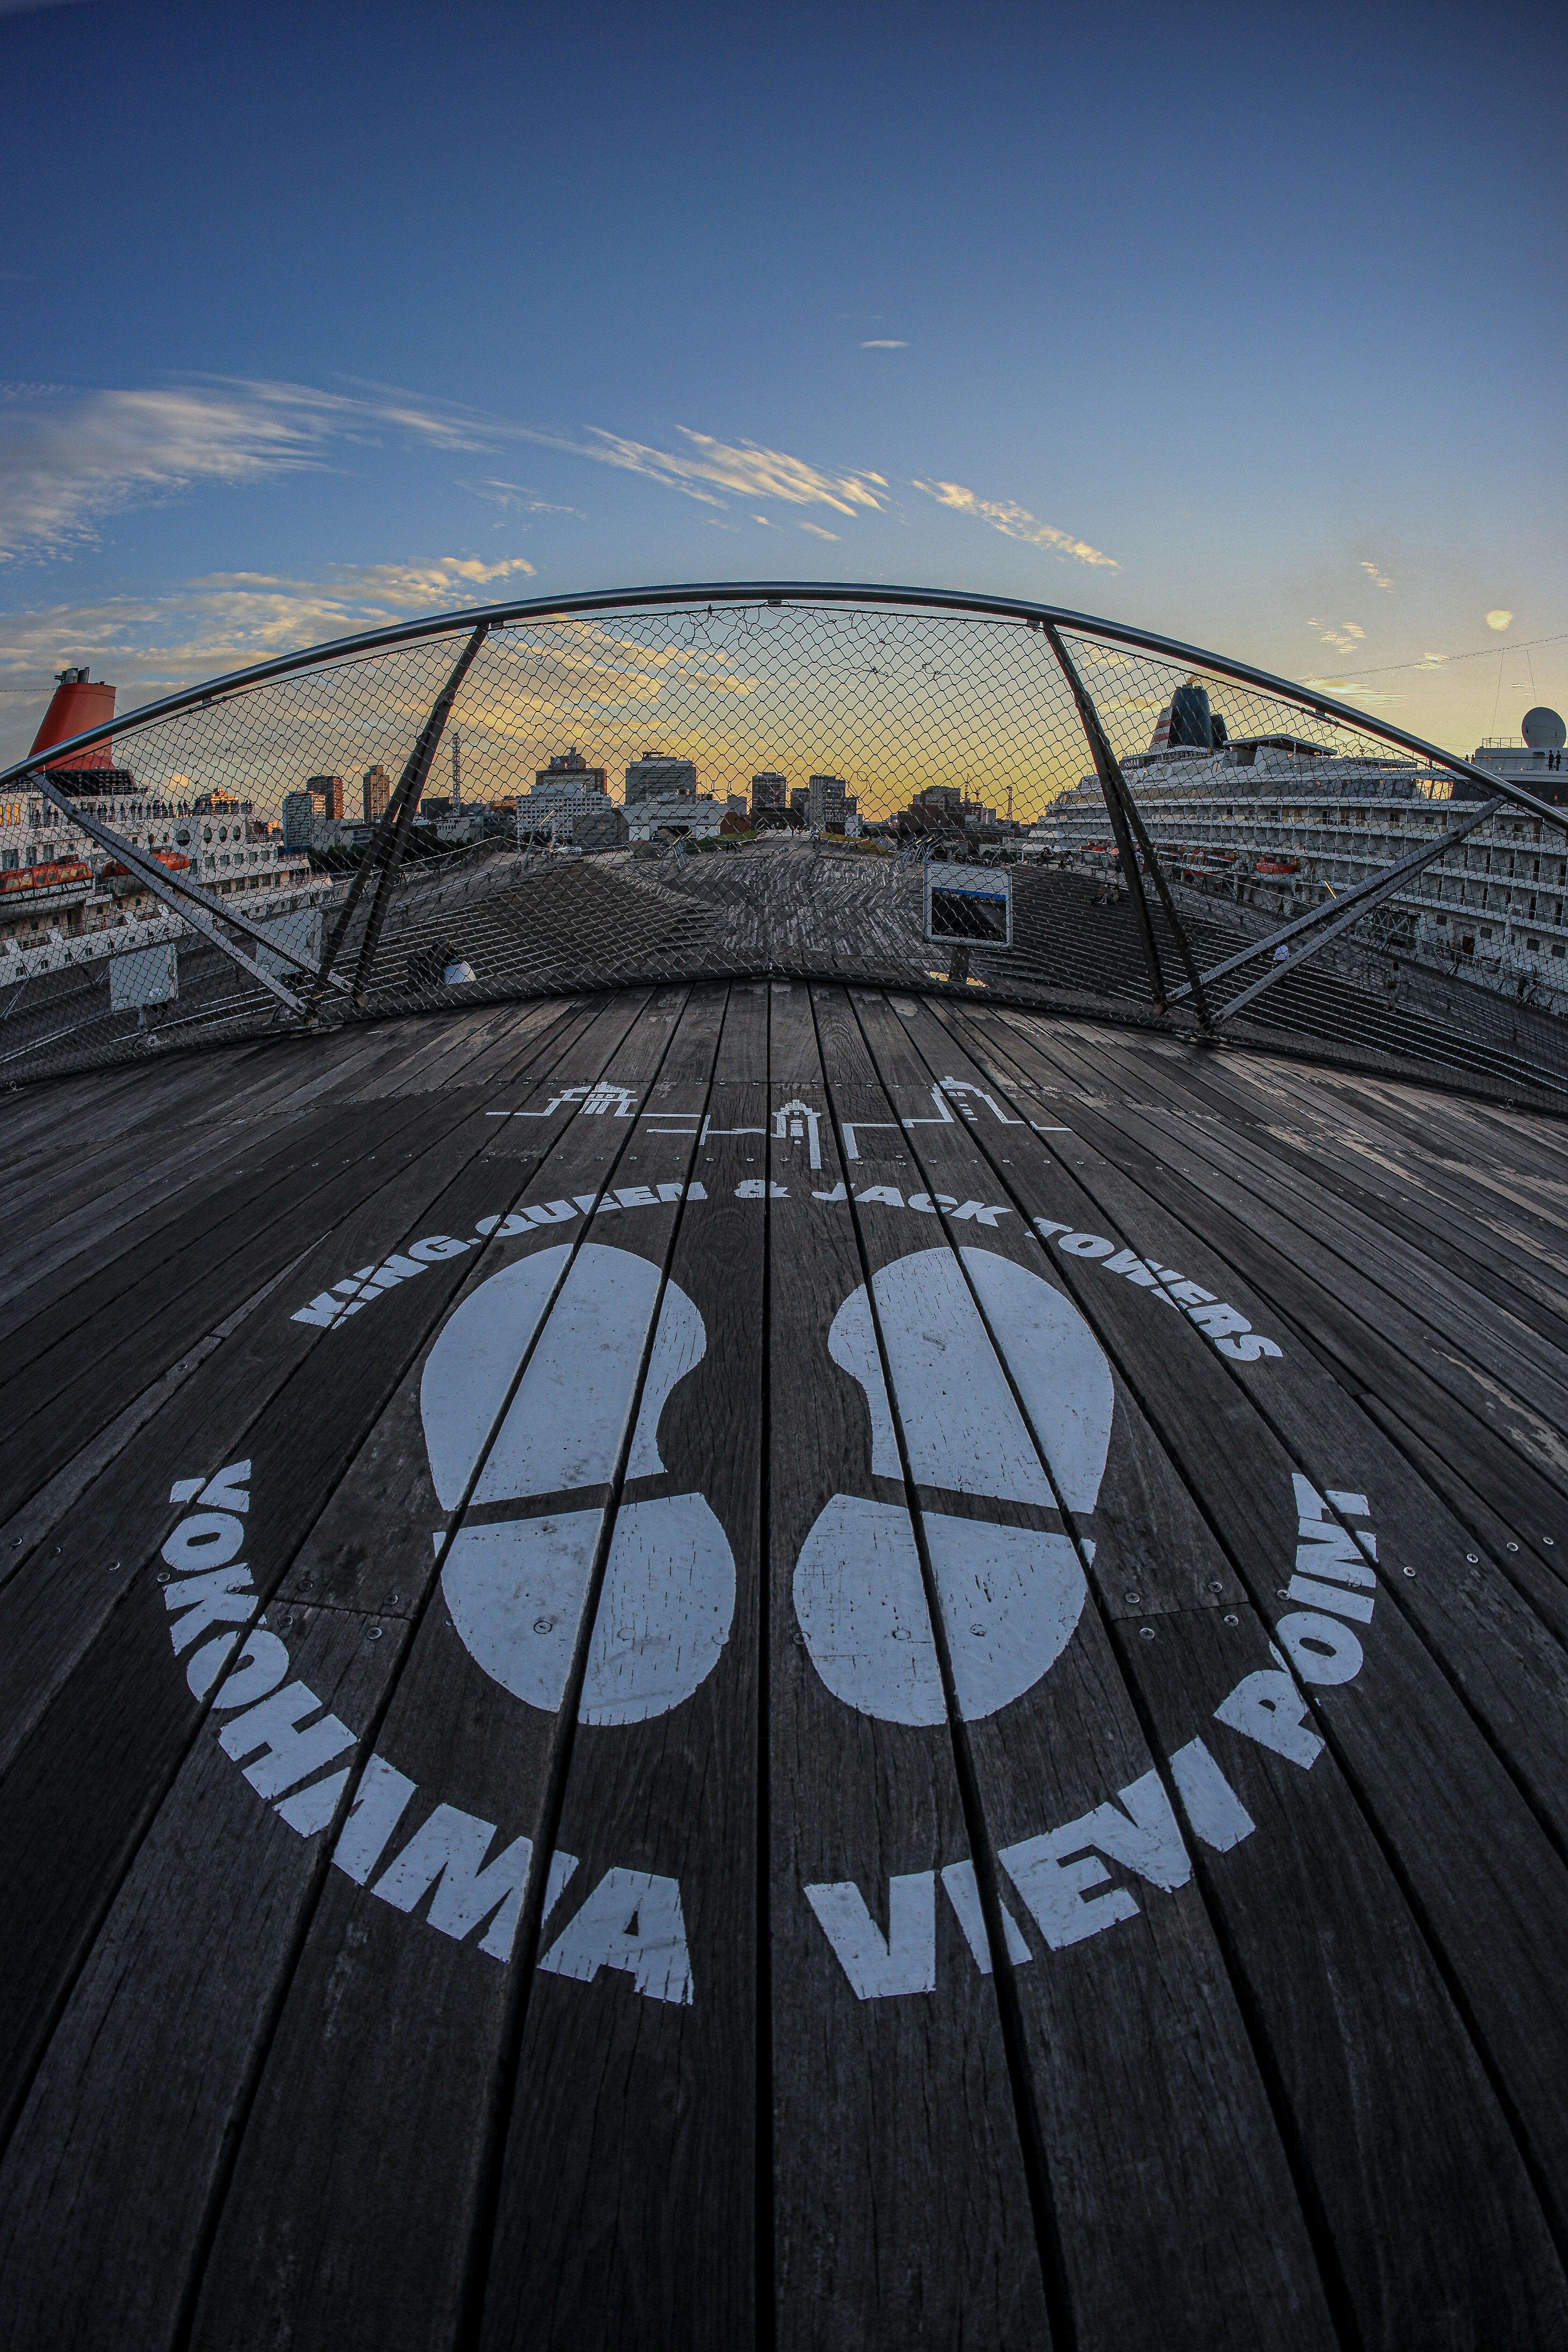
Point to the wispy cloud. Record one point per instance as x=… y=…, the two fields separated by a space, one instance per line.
x=1015 y=522
x=709 y=466
x=1351 y=690
x=225 y=620
x=70 y=458
x=515 y=498
x=817 y=530
x=1344 y=639
x=883 y=344
x=1379 y=579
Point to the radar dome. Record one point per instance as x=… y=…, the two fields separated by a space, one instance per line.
x=1542 y=729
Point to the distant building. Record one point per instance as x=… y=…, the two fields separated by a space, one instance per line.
x=331 y=789
x=800 y=803
x=698 y=815
x=604 y=827
x=570 y=803
x=769 y=791
x=942 y=808
x=377 y=792
x=829 y=803
x=656 y=778
x=302 y=811
x=570 y=772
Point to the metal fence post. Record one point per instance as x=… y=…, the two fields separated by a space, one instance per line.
x=386 y=844
x=1125 y=824
x=192 y=905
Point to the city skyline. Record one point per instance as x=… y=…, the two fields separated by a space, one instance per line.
x=1023 y=308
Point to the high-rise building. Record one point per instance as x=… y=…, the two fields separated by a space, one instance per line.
x=331 y=791
x=769 y=791
x=656 y=777
x=828 y=802
x=302 y=811
x=569 y=773
x=377 y=792
x=570 y=802
x=939 y=808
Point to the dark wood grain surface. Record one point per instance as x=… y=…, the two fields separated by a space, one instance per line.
x=770 y=1665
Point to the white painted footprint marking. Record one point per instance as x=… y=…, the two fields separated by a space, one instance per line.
x=515 y=1588
x=1010 y=1597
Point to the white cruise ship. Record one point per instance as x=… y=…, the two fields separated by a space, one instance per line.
x=65 y=900
x=1282 y=823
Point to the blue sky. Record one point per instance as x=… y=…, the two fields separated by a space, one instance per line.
x=1245 y=323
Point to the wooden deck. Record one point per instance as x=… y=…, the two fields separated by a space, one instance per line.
x=772 y=1665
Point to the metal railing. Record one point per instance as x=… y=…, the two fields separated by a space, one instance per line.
x=890 y=694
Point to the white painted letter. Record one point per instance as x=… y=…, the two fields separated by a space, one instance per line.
x=379 y=1805
x=1057 y=1891
x=1321 y=1649
x=288 y=1755
x=878 y=1966
x=964 y=1893
x=1268 y=1708
x=224 y=1598
x=204 y=1540
x=444 y=1853
x=229 y=1490
x=1213 y=1811
x=632 y=1921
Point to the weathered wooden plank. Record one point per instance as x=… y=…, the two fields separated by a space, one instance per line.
x=43 y=1511
x=137 y=1254
x=167 y=1294
x=1488 y=1321
x=62 y=1586
x=902 y=2207
x=387 y=2058
x=1267 y=1095
x=626 y=2207
x=94 y=1195
x=1452 y=1822
x=1495 y=1214
x=1308 y=2093
x=77 y=1799
x=106 y=2191
x=1113 y=2108
x=1308 y=1288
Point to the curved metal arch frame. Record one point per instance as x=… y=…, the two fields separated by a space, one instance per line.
x=784 y=591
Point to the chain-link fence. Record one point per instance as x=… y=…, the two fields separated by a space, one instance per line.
x=733 y=781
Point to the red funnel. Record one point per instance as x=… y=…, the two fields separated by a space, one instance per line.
x=74 y=706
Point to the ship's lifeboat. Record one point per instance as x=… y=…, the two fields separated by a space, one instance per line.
x=57 y=875
x=115 y=871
